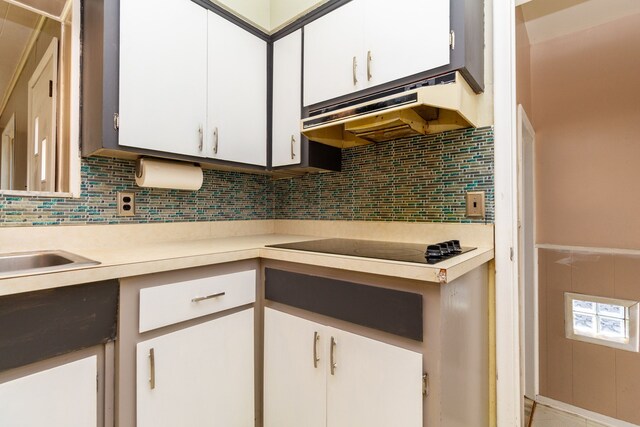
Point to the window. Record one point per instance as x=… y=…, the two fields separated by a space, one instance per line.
x=598 y=320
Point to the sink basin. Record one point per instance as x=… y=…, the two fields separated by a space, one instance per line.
x=21 y=263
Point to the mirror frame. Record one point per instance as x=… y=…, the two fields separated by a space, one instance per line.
x=73 y=9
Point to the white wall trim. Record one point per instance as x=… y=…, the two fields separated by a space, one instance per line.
x=588 y=415
x=509 y=399
x=589 y=249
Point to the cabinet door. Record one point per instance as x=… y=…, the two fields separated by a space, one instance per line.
x=333 y=53
x=199 y=376
x=410 y=37
x=64 y=396
x=237 y=93
x=294 y=386
x=287 y=88
x=374 y=384
x=163 y=75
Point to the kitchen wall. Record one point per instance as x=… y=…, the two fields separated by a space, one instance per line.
x=223 y=196
x=595 y=377
x=415 y=179
x=586 y=114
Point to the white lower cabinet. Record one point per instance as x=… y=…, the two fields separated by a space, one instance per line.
x=63 y=396
x=315 y=375
x=199 y=376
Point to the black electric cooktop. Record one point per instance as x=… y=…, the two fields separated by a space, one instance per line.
x=406 y=252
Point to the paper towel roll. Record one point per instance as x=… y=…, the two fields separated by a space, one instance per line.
x=167 y=174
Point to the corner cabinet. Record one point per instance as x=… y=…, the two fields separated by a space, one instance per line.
x=287 y=91
x=333 y=378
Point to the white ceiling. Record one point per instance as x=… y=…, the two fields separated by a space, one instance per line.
x=16 y=26
x=548 y=19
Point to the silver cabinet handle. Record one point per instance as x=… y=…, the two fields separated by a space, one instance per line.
x=369 y=74
x=201 y=136
x=332 y=361
x=198 y=299
x=316 y=359
x=215 y=140
x=293 y=142
x=152 y=368
x=355 y=69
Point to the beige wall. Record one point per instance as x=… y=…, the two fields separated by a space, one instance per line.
x=595 y=377
x=523 y=64
x=586 y=112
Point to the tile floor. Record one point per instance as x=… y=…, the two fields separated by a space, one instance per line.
x=543 y=416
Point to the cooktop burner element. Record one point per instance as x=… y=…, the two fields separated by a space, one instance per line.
x=406 y=252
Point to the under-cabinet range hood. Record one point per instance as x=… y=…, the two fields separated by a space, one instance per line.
x=430 y=106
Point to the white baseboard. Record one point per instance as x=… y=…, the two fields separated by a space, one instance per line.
x=587 y=415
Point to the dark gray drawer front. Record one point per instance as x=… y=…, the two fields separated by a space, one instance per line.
x=387 y=310
x=39 y=325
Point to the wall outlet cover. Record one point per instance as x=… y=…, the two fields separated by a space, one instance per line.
x=126 y=203
x=475 y=204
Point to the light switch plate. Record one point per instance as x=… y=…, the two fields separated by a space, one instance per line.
x=475 y=204
x=126 y=203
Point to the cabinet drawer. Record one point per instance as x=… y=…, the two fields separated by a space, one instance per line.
x=176 y=302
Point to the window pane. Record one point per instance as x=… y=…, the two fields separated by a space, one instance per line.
x=584 y=306
x=612 y=327
x=611 y=310
x=584 y=324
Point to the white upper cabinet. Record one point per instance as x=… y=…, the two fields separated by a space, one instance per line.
x=333 y=62
x=287 y=89
x=163 y=75
x=370 y=42
x=404 y=38
x=237 y=93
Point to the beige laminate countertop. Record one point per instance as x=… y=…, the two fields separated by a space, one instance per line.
x=152 y=257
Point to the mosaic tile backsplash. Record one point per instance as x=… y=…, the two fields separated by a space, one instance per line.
x=414 y=179
x=223 y=196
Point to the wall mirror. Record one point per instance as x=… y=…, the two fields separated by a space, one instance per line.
x=39 y=93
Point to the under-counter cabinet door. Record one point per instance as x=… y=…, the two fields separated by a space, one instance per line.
x=295 y=366
x=199 y=376
x=237 y=93
x=371 y=383
x=163 y=75
x=406 y=39
x=334 y=63
x=64 y=396
x=287 y=88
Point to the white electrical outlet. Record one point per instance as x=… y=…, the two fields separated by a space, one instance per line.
x=475 y=204
x=126 y=203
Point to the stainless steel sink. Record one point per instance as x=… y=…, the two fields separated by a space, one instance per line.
x=22 y=263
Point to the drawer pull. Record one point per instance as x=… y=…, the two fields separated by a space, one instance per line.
x=152 y=368
x=316 y=359
x=333 y=364
x=198 y=299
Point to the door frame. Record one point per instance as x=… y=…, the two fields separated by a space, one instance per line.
x=529 y=374
x=8 y=137
x=509 y=400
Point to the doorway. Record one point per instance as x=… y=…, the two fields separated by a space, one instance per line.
x=527 y=258
x=42 y=129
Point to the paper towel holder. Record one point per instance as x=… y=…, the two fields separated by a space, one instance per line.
x=140 y=165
